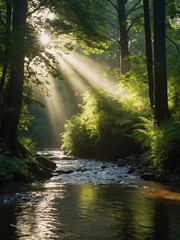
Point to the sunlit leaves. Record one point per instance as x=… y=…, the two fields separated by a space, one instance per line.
x=102 y=129
x=161 y=142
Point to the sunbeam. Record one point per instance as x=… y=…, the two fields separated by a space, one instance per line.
x=56 y=108
x=81 y=71
x=72 y=76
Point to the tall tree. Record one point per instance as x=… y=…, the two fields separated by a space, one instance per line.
x=161 y=97
x=149 y=57
x=123 y=42
x=12 y=110
x=6 y=44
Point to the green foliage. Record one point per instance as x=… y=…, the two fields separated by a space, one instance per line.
x=82 y=20
x=33 y=167
x=135 y=86
x=25 y=119
x=76 y=140
x=161 y=142
x=28 y=143
x=136 y=80
x=102 y=129
x=41 y=132
x=12 y=168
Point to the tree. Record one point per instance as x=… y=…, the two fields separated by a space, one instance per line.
x=6 y=44
x=149 y=57
x=13 y=104
x=161 y=97
x=123 y=42
x=72 y=22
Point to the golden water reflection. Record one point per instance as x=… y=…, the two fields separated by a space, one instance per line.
x=92 y=212
x=39 y=219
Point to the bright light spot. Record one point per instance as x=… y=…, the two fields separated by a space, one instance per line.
x=50 y=16
x=45 y=39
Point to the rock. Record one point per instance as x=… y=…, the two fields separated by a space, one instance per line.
x=131 y=170
x=103 y=167
x=45 y=162
x=121 y=162
x=42 y=167
x=64 y=171
x=54 y=158
x=148 y=176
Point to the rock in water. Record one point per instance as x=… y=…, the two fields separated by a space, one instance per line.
x=148 y=176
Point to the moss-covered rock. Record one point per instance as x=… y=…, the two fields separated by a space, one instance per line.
x=29 y=169
x=42 y=167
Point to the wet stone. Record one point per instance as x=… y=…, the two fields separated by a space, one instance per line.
x=148 y=176
x=71 y=170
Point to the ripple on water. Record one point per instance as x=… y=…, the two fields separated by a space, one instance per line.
x=83 y=171
x=99 y=201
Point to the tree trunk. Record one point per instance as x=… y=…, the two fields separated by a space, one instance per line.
x=13 y=105
x=124 y=50
x=149 y=57
x=6 y=43
x=161 y=98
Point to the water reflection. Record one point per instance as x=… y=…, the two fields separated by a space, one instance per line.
x=39 y=219
x=91 y=212
x=155 y=190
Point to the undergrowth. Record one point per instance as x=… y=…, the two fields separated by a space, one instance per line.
x=161 y=143
x=12 y=168
x=102 y=129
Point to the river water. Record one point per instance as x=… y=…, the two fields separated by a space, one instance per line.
x=90 y=200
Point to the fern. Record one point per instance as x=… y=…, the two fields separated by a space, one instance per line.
x=103 y=128
x=162 y=142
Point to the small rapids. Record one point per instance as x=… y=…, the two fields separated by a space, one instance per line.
x=89 y=199
x=89 y=171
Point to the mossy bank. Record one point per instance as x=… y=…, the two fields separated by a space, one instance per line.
x=31 y=168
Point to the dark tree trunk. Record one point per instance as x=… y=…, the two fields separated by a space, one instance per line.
x=161 y=98
x=123 y=43
x=6 y=39
x=13 y=105
x=149 y=57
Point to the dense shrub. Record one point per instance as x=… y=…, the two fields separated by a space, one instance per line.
x=12 y=168
x=162 y=143
x=102 y=129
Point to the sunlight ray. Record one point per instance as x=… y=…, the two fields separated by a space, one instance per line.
x=91 y=72
x=72 y=76
x=57 y=110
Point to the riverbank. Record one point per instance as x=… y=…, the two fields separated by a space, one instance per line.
x=31 y=168
x=69 y=168
x=43 y=165
x=146 y=172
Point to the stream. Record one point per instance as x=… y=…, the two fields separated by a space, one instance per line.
x=90 y=200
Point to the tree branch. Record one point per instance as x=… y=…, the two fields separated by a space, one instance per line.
x=37 y=8
x=175 y=44
x=113 y=25
x=168 y=2
x=115 y=6
x=111 y=39
x=107 y=10
x=2 y=21
x=134 y=8
x=133 y=21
